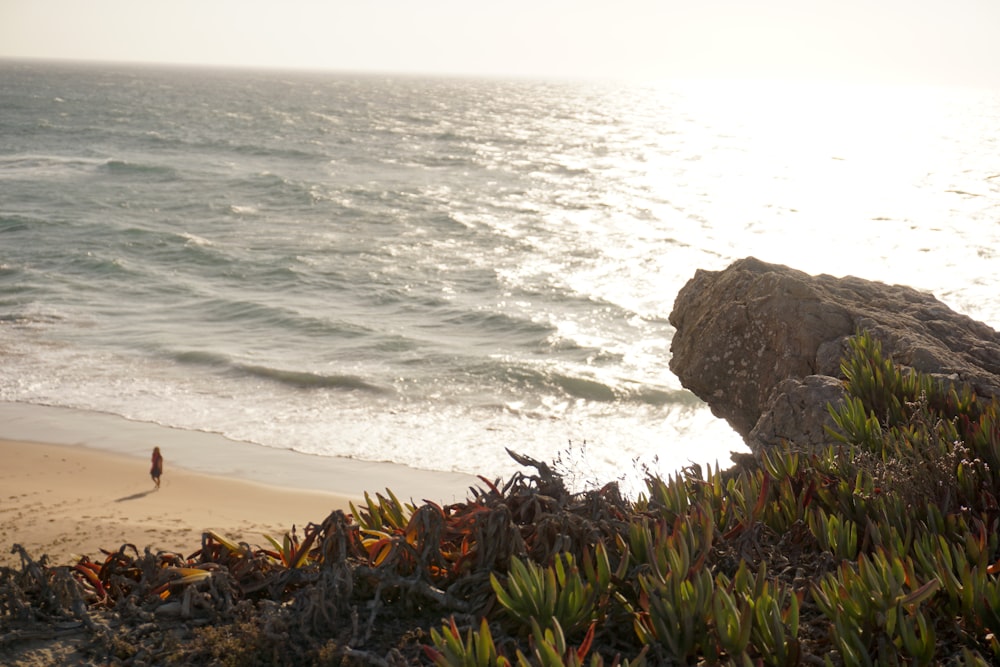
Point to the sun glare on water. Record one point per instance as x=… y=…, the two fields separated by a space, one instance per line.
x=828 y=178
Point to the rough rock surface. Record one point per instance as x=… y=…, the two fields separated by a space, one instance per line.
x=761 y=344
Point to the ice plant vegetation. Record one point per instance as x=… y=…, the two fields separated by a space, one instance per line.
x=881 y=548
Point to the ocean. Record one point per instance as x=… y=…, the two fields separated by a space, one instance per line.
x=431 y=270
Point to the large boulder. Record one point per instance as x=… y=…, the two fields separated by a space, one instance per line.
x=762 y=343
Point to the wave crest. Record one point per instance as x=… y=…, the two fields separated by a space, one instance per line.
x=126 y=169
x=291 y=378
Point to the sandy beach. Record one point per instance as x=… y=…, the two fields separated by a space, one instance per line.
x=67 y=501
x=74 y=483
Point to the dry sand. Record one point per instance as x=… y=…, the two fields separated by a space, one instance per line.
x=73 y=483
x=67 y=501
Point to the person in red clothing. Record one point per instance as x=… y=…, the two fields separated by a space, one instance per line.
x=157 y=469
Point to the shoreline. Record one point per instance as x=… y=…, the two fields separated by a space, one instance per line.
x=75 y=482
x=215 y=454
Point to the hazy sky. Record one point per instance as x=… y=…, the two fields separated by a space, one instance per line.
x=935 y=41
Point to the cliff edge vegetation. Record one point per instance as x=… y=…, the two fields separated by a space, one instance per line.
x=879 y=549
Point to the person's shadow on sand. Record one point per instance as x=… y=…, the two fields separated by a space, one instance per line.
x=135 y=496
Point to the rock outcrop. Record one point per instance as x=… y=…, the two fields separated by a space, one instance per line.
x=761 y=344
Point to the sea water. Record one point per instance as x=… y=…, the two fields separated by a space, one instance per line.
x=430 y=270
